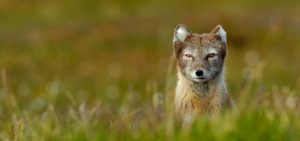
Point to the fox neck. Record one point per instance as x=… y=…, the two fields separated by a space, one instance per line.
x=193 y=98
x=201 y=89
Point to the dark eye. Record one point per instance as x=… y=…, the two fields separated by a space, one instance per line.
x=188 y=55
x=211 y=55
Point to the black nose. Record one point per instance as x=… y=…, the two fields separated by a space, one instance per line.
x=199 y=73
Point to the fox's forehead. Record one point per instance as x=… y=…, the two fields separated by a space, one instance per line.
x=199 y=40
x=192 y=49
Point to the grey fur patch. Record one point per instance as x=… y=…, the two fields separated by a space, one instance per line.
x=201 y=89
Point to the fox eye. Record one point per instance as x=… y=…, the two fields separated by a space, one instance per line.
x=211 y=55
x=188 y=56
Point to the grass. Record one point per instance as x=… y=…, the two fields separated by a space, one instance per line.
x=96 y=70
x=268 y=115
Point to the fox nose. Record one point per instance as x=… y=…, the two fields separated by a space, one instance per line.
x=199 y=73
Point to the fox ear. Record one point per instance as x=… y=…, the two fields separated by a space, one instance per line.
x=220 y=33
x=181 y=33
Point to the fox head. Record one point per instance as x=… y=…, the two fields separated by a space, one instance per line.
x=200 y=57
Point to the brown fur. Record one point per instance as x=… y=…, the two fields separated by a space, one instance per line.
x=207 y=97
x=188 y=102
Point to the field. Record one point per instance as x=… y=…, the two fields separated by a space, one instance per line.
x=101 y=70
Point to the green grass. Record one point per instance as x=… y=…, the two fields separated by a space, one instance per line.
x=98 y=70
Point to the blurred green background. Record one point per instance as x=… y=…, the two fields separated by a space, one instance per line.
x=67 y=52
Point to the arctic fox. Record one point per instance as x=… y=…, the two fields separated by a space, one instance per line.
x=201 y=88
